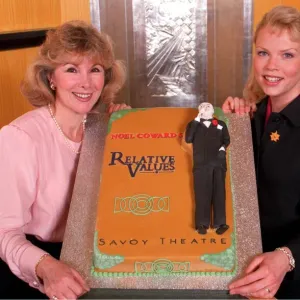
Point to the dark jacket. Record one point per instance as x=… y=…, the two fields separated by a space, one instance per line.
x=207 y=141
x=278 y=178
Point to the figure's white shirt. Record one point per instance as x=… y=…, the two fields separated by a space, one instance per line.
x=207 y=124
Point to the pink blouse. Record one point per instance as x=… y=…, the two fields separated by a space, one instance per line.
x=36 y=181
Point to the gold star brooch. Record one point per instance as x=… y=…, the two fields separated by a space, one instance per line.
x=274 y=136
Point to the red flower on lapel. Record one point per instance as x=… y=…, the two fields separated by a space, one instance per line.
x=214 y=122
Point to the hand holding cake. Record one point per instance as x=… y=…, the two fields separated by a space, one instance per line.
x=239 y=106
x=263 y=276
x=60 y=280
x=113 y=107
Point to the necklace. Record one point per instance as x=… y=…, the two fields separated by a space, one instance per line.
x=67 y=141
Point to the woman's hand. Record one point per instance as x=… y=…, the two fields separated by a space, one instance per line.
x=112 y=107
x=263 y=276
x=60 y=281
x=239 y=106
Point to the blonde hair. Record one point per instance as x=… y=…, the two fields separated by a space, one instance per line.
x=279 y=18
x=78 y=39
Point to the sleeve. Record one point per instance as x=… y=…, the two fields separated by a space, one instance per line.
x=18 y=182
x=190 y=131
x=225 y=135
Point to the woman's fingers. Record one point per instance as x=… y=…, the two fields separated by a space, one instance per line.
x=258 y=284
x=254 y=264
x=67 y=291
x=247 y=279
x=124 y=106
x=228 y=105
x=61 y=281
x=70 y=289
x=77 y=288
x=113 y=107
x=251 y=288
x=80 y=280
x=69 y=295
x=267 y=292
x=237 y=105
x=263 y=276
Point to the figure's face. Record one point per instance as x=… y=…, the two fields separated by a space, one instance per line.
x=79 y=83
x=206 y=110
x=277 y=64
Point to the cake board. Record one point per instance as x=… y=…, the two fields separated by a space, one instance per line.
x=78 y=243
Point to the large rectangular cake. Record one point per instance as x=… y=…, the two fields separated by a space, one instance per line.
x=145 y=219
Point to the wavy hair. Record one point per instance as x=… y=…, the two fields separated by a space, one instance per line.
x=78 y=39
x=279 y=18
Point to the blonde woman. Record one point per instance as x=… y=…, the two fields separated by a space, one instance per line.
x=272 y=96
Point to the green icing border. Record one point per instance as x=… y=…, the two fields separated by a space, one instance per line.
x=220 y=114
x=179 y=274
x=104 y=261
x=215 y=259
x=120 y=114
x=224 y=259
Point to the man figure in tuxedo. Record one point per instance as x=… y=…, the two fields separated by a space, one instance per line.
x=210 y=138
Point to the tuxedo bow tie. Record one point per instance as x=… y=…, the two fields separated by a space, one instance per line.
x=204 y=120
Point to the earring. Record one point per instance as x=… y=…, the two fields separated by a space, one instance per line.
x=52 y=85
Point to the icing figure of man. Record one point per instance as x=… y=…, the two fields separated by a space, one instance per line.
x=210 y=138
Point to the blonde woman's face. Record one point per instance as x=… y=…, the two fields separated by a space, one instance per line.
x=78 y=84
x=277 y=64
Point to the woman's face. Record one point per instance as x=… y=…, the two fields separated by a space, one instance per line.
x=277 y=64
x=78 y=83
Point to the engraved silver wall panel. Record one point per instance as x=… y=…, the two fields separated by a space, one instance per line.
x=165 y=39
x=170 y=48
x=180 y=52
x=248 y=33
x=95 y=13
x=201 y=49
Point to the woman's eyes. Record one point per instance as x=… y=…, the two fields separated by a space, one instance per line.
x=97 y=69
x=94 y=69
x=284 y=55
x=71 y=70
x=262 y=53
x=288 y=55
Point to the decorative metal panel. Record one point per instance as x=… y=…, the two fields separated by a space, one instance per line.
x=170 y=48
x=179 y=52
x=165 y=40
